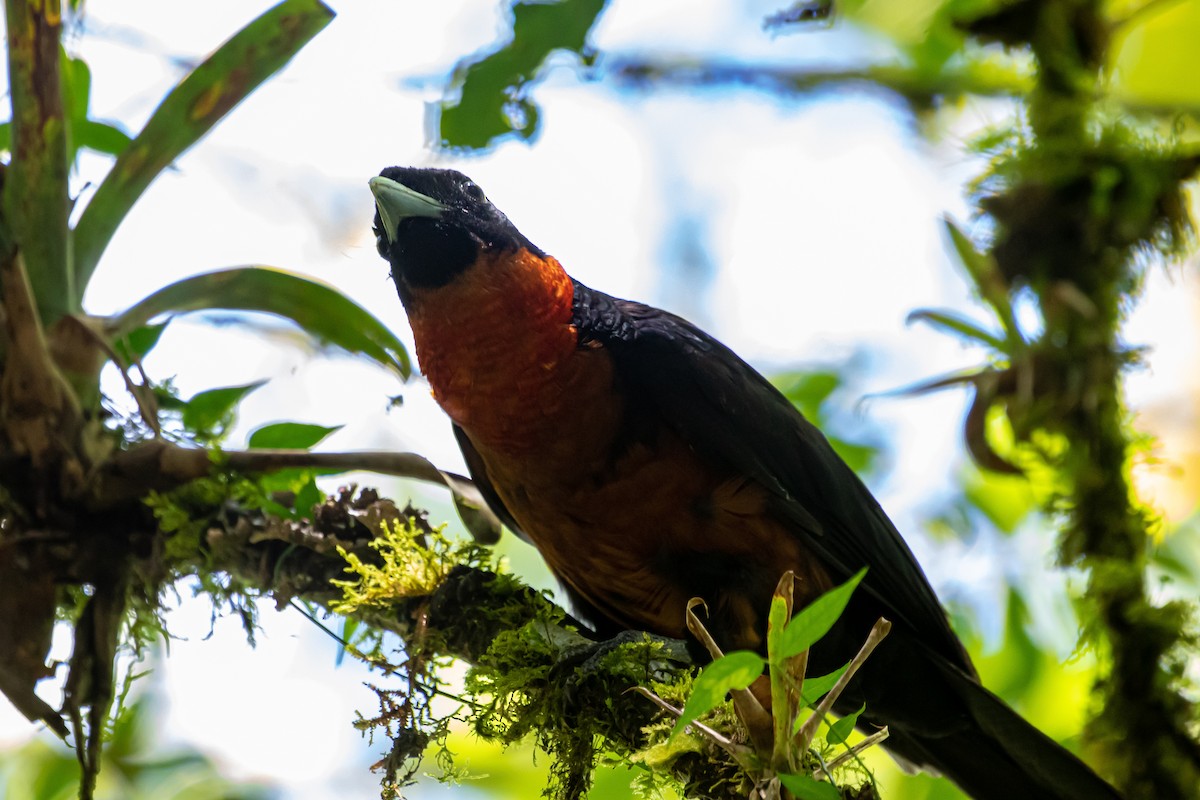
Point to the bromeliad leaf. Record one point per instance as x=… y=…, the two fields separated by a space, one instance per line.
x=815 y=620
x=320 y=310
x=958 y=326
x=208 y=413
x=803 y=787
x=206 y=95
x=735 y=670
x=990 y=284
x=289 y=436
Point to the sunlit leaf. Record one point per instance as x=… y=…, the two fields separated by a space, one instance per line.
x=310 y=495
x=859 y=457
x=138 y=342
x=815 y=619
x=101 y=137
x=735 y=670
x=1005 y=500
x=809 y=390
x=803 y=787
x=842 y=728
x=289 y=436
x=780 y=612
x=200 y=100
x=1151 y=55
x=207 y=412
x=320 y=310
x=489 y=102
x=813 y=689
x=82 y=130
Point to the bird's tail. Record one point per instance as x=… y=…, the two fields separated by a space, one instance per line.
x=1000 y=756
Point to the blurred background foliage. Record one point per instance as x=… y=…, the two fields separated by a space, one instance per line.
x=138 y=765
x=1023 y=631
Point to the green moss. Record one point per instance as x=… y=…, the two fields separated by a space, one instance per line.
x=414 y=561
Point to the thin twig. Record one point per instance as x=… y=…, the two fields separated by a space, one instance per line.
x=145 y=403
x=160 y=464
x=719 y=739
x=878 y=632
x=756 y=718
x=853 y=752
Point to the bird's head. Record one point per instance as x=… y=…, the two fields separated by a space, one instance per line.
x=434 y=224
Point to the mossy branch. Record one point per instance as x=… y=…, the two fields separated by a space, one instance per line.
x=1076 y=205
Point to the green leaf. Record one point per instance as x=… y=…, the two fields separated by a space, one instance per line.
x=349 y=628
x=102 y=137
x=735 y=670
x=815 y=620
x=289 y=436
x=137 y=343
x=858 y=457
x=77 y=88
x=842 y=728
x=813 y=689
x=808 y=391
x=209 y=412
x=803 y=787
x=205 y=96
x=1150 y=54
x=490 y=102
x=957 y=325
x=987 y=280
x=320 y=310
x=310 y=495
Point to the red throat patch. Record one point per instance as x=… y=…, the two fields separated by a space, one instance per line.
x=494 y=341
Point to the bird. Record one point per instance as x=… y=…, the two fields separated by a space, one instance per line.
x=649 y=464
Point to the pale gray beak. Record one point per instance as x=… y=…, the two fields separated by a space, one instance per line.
x=396 y=201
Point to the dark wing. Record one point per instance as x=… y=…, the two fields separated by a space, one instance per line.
x=729 y=412
x=597 y=626
x=483 y=482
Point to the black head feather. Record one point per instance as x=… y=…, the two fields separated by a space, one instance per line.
x=438 y=223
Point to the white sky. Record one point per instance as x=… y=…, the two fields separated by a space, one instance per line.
x=823 y=219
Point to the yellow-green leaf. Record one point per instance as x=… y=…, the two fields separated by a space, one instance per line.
x=815 y=619
x=803 y=787
x=735 y=670
x=841 y=729
x=813 y=689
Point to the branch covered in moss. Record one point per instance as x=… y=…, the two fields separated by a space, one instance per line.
x=1077 y=202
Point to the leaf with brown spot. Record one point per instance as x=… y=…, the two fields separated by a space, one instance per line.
x=198 y=102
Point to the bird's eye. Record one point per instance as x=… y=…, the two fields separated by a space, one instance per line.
x=472 y=190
